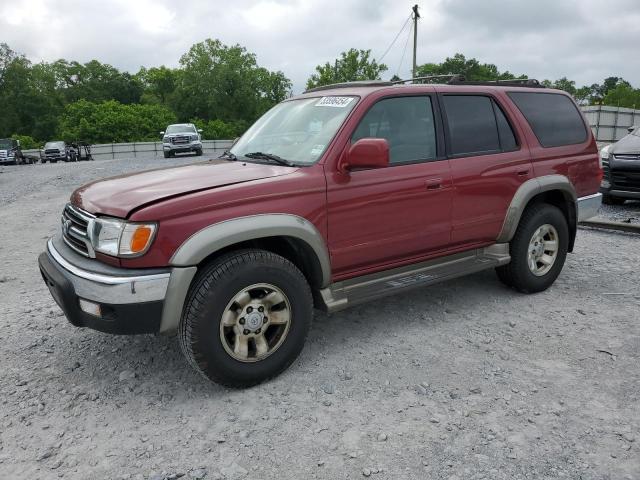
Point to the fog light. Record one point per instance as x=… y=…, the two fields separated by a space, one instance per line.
x=605 y=184
x=90 y=307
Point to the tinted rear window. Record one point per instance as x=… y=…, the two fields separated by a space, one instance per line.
x=472 y=124
x=553 y=117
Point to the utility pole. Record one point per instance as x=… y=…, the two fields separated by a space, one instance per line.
x=416 y=16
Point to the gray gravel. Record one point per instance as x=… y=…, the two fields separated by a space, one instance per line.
x=464 y=380
x=628 y=212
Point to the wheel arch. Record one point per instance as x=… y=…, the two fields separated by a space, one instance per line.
x=555 y=190
x=290 y=236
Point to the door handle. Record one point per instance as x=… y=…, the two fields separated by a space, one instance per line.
x=433 y=183
x=523 y=173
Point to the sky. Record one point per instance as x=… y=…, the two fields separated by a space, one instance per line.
x=584 y=40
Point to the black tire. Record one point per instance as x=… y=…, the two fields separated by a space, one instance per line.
x=213 y=289
x=42 y=160
x=167 y=154
x=199 y=152
x=517 y=273
x=609 y=200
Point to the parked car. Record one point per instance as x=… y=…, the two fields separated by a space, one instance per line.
x=181 y=138
x=10 y=152
x=57 y=150
x=333 y=198
x=621 y=165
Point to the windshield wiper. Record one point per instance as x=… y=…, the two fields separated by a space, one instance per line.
x=228 y=155
x=270 y=156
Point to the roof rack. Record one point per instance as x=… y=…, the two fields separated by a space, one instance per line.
x=512 y=82
x=451 y=77
x=359 y=83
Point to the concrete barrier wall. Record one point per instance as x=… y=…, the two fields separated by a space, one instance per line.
x=609 y=124
x=142 y=149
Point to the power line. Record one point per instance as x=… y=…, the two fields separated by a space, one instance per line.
x=404 y=51
x=396 y=38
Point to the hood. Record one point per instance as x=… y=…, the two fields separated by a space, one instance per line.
x=119 y=196
x=627 y=144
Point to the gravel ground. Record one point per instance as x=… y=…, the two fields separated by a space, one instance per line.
x=628 y=212
x=464 y=380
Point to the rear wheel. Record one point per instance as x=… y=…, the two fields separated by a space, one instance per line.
x=246 y=318
x=538 y=250
x=609 y=200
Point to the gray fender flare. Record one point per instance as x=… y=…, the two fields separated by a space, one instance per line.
x=525 y=193
x=220 y=235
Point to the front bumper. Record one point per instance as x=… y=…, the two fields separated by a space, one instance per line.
x=130 y=302
x=182 y=147
x=8 y=161
x=588 y=206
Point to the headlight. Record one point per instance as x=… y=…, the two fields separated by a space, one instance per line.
x=604 y=154
x=165 y=140
x=194 y=138
x=122 y=239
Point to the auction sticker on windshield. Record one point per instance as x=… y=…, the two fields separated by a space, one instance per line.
x=339 y=102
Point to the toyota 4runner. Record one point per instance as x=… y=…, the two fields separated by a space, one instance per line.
x=333 y=198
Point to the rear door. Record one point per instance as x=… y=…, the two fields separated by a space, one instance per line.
x=489 y=161
x=379 y=217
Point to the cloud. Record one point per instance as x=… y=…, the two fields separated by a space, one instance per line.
x=584 y=40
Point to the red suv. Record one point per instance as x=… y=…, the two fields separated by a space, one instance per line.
x=333 y=198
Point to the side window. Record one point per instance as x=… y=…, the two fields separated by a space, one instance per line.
x=472 y=124
x=507 y=138
x=554 y=118
x=407 y=123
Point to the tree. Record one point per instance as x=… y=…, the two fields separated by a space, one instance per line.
x=111 y=121
x=225 y=82
x=352 y=65
x=471 y=69
x=159 y=83
x=623 y=95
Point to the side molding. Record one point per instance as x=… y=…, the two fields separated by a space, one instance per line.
x=220 y=235
x=525 y=193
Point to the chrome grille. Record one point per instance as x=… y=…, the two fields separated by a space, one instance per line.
x=627 y=157
x=180 y=139
x=76 y=230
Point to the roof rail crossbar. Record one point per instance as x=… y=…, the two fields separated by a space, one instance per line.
x=514 y=82
x=359 y=83
x=450 y=77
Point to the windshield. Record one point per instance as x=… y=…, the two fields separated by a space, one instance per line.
x=181 y=129
x=5 y=144
x=54 y=145
x=296 y=130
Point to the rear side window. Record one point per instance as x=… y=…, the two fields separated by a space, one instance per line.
x=554 y=118
x=507 y=138
x=407 y=123
x=472 y=124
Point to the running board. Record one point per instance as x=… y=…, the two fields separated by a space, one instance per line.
x=344 y=294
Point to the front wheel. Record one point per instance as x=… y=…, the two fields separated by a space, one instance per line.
x=538 y=250
x=246 y=318
x=199 y=152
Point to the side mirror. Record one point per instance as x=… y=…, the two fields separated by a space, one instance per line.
x=366 y=153
x=162 y=132
x=199 y=130
x=18 y=143
x=631 y=129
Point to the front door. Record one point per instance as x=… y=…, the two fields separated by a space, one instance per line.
x=378 y=218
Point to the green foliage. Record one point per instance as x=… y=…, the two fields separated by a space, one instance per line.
x=471 y=69
x=223 y=85
x=220 y=130
x=352 y=65
x=111 y=121
x=623 y=95
x=26 y=142
x=224 y=82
